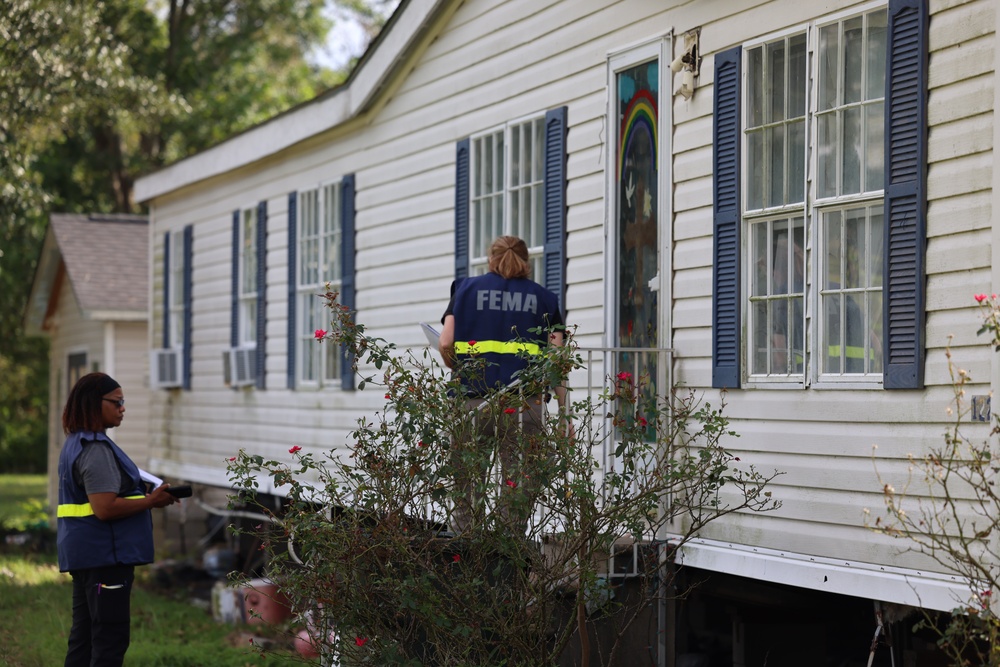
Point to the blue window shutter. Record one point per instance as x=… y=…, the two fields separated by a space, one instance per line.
x=462 y=210
x=905 y=194
x=234 y=331
x=554 y=252
x=293 y=203
x=347 y=289
x=188 y=242
x=261 y=354
x=726 y=221
x=166 y=290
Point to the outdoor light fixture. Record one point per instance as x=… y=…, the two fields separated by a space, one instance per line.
x=688 y=63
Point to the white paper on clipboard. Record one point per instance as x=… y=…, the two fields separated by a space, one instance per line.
x=433 y=336
x=150 y=478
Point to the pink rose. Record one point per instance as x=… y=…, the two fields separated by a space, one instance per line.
x=294 y=449
x=320 y=334
x=980 y=297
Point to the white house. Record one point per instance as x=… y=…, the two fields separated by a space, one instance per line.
x=90 y=297
x=800 y=209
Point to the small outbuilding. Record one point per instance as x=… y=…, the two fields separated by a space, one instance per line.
x=90 y=297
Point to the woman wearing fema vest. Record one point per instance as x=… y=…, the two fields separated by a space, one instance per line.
x=491 y=318
x=105 y=527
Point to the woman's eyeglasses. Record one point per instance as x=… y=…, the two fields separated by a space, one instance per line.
x=120 y=402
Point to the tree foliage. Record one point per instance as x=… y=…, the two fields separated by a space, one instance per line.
x=93 y=94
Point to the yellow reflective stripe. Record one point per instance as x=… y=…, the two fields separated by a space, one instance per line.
x=853 y=352
x=81 y=510
x=64 y=511
x=497 y=346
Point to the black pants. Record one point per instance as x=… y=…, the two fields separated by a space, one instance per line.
x=100 y=633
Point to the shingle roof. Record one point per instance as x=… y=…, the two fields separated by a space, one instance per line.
x=106 y=257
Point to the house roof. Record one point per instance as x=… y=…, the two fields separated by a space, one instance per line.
x=104 y=257
x=404 y=34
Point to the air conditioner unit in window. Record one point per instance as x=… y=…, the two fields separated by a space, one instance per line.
x=239 y=366
x=165 y=369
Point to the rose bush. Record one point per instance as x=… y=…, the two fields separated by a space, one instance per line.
x=364 y=543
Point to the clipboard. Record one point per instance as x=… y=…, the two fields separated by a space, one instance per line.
x=432 y=334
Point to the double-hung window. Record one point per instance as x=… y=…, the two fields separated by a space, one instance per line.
x=507 y=176
x=320 y=269
x=175 y=292
x=170 y=365
x=511 y=180
x=320 y=260
x=247 y=278
x=819 y=203
x=249 y=288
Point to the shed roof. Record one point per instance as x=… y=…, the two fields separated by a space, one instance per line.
x=106 y=263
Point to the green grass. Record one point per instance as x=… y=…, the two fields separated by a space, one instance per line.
x=22 y=501
x=35 y=617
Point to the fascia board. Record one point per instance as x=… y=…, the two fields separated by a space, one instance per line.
x=917 y=588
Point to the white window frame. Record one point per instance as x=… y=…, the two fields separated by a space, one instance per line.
x=247 y=276
x=319 y=233
x=811 y=209
x=506 y=194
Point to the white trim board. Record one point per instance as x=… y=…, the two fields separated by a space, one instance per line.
x=929 y=590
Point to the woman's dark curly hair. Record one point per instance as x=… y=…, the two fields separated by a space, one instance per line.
x=83 y=411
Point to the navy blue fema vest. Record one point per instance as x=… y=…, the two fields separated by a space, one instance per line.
x=493 y=321
x=85 y=541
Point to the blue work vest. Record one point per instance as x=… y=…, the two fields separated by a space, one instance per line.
x=84 y=540
x=493 y=321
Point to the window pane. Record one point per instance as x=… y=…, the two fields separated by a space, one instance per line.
x=777 y=301
x=797 y=76
x=874 y=147
x=760 y=341
x=248 y=252
x=875 y=338
x=776 y=79
x=854 y=50
x=776 y=165
x=515 y=214
x=832 y=235
x=851 y=151
x=855 y=242
x=829 y=56
x=538 y=219
x=539 y=149
x=331 y=362
x=758 y=236
x=831 y=327
x=498 y=175
x=796 y=161
x=755 y=83
x=876 y=55
x=826 y=155
x=515 y=156
x=755 y=171
x=876 y=243
x=855 y=351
